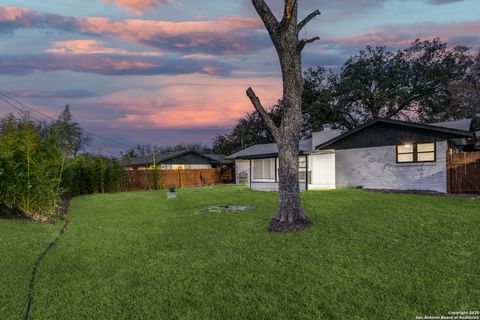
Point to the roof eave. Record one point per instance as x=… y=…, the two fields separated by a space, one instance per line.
x=460 y=133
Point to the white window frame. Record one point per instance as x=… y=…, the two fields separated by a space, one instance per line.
x=271 y=162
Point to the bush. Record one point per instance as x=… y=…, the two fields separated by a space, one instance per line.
x=88 y=174
x=30 y=169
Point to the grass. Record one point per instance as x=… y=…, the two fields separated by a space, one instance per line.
x=20 y=244
x=139 y=256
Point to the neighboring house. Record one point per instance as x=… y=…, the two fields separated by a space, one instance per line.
x=177 y=160
x=382 y=154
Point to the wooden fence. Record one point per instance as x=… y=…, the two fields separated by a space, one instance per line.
x=463 y=172
x=147 y=179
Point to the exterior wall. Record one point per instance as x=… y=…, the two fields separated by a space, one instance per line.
x=376 y=168
x=270 y=186
x=321 y=169
x=244 y=166
x=241 y=166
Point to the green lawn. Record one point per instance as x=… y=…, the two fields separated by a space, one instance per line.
x=20 y=244
x=139 y=256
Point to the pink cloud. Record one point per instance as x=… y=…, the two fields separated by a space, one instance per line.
x=93 y=47
x=109 y=64
x=138 y=6
x=186 y=102
x=226 y=35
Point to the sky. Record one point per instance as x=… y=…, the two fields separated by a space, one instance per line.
x=169 y=71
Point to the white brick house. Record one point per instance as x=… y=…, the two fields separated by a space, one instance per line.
x=382 y=154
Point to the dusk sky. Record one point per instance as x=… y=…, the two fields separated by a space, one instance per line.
x=169 y=71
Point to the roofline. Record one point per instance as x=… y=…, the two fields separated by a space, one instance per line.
x=180 y=153
x=425 y=126
x=266 y=155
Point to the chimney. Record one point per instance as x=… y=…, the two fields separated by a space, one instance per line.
x=327 y=127
x=325 y=135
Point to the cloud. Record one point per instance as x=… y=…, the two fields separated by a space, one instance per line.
x=70 y=94
x=444 y=1
x=108 y=64
x=93 y=47
x=397 y=36
x=194 y=101
x=226 y=35
x=137 y=6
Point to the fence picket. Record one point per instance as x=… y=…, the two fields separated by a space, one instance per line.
x=136 y=180
x=463 y=172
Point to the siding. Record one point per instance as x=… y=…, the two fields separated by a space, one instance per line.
x=322 y=171
x=270 y=186
x=376 y=168
x=387 y=134
x=242 y=166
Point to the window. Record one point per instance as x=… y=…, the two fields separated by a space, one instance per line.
x=426 y=152
x=420 y=152
x=264 y=169
x=302 y=169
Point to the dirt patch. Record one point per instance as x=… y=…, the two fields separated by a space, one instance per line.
x=226 y=209
x=288 y=227
x=18 y=215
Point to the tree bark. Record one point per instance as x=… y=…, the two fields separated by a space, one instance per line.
x=284 y=35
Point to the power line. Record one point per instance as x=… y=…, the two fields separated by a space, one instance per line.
x=100 y=149
x=51 y=118
x=20 y=110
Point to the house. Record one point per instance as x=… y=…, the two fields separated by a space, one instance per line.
x=382 y=154
x=177 y=160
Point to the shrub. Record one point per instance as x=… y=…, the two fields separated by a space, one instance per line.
x=88 y=174
x=30 y=169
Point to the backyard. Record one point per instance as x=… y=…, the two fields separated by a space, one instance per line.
x=141 y=256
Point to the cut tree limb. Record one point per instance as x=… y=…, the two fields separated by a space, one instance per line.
x=304 y=42
x=274 y=130
x=304 y=22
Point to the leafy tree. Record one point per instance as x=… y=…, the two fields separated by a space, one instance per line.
x=249 y=130
x=30 y=169
x=88 y=174
x=415 y=83
x=316 y=107
x=71 y=137
x=465 y=102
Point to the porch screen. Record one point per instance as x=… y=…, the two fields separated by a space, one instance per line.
x=264 y=169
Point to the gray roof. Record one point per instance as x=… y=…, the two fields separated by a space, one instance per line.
x=165 y=156
x=432 y=127
x=461 y=127
x=267 y=150
x=464 y=124
x=220 y=158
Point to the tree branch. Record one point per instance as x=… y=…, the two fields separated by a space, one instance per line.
x=267 y=16
x=274 y=130
x=304 y=22
x=304 y=42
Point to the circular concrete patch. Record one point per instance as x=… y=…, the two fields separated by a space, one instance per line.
x=224 y=209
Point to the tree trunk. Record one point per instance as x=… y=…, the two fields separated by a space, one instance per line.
x=284 y=35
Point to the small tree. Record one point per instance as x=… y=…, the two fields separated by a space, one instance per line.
x=71 y=137
x=285 y=37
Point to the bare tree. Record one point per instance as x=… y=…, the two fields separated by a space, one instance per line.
x=285 y=38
